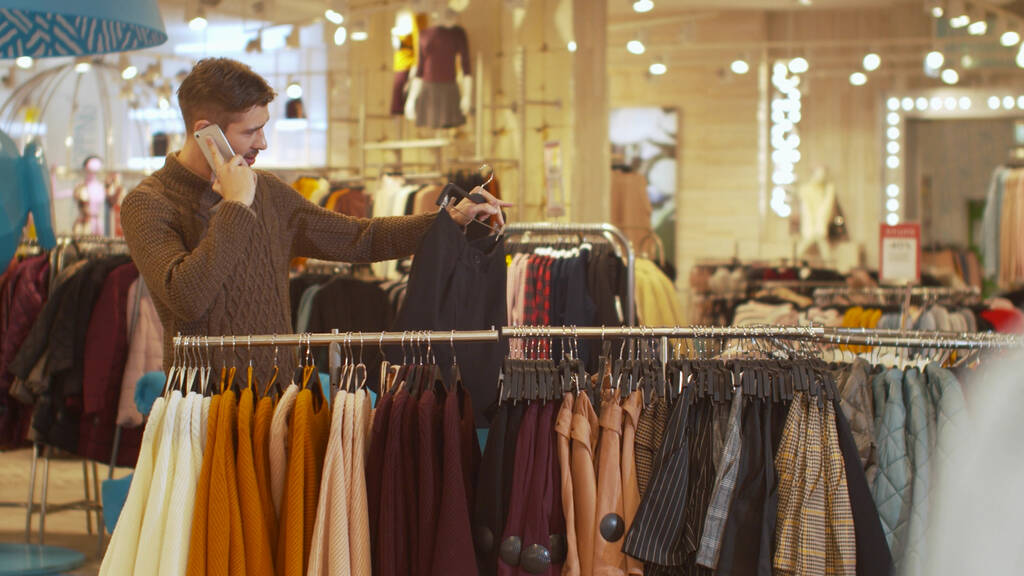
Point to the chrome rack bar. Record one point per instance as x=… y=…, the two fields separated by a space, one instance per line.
x=827 y=335
x=323 y=339
x=519 y=229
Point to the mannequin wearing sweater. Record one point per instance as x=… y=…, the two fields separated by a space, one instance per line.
x=434 y=88
x=817 y=197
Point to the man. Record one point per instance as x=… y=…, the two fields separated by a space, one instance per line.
x=214 y=245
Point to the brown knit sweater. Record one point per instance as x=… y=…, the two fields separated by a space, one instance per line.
x=221 y=268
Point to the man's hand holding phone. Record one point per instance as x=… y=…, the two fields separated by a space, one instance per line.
x=234 y=180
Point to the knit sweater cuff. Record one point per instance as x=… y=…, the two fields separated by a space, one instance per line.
x=236 y=219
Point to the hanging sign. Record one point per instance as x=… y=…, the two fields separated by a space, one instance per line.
x=900 y=254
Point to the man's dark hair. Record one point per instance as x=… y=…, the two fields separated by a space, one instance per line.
x=219 y=89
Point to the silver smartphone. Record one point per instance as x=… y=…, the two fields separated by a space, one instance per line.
x=214 y=131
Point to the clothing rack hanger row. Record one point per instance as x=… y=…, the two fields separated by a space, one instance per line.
x=602 y=229
x=915 y=291
x=821 y=334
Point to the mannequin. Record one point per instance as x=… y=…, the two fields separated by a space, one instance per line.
x=115 y=195
x=817 y=198
x=436 y=98
x=91 y=197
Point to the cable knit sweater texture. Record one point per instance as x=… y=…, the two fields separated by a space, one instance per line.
x=221 y=268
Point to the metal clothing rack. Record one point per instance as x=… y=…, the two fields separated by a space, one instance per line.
x=604 y=229
x=822 y=334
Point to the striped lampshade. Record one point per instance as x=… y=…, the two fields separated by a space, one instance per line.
x=46 y=28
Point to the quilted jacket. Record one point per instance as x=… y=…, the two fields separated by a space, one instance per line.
x=25 y=295
x=891 y=490
x=947 y=397
x=858 y=407
x=919 y=431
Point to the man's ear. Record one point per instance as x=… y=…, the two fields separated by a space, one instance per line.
x=200 y=124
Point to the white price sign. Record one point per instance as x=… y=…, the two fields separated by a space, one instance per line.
x=900 y=254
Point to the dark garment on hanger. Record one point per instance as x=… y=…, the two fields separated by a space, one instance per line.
x=394 y=551
x=350 y=304
x=606 y=281
x=297 y=286
x=430 y=454
x=873 y=556
x=511 y=546
x=658 y=530
x=495 y=485
x=106 y=350
x=453 y=551
x=456 y=284
x=56 y=419
x=375 y=474
x=540 y=498
x=700 y=485
x=742 y=550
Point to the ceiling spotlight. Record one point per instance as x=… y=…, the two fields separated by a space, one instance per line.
x=872 y=61
x=24 y=62
x=293 y=91
x=893 y=104
x=1010 y=38
x=198 y=23
x=642 y=6
x=340 y=35
x=1020 y=57
x=858 y=79
x=934 y=60
x=978 y=28
x=333 y=17
x=83 y=67
x=892 y=190
x=892 y=219
x=129 y=72
x=798 y=65
x=967 y=61
x=993 y=102
x=658 y=69
x=572 y=46
x=1009 y=102
x=950 y=76
x=805 y=2
x=937 y=12
x=739 y=67
x=958 y=22
x=360 y=35
x=635 y=47
x=965 y=103
x=921 y=104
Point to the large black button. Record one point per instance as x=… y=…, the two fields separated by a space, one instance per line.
x=558 y=544
x=536 y=559
x=510 y=550
x=483 y=539
x=612 y=527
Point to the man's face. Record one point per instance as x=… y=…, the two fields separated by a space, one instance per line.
x=245 y=134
